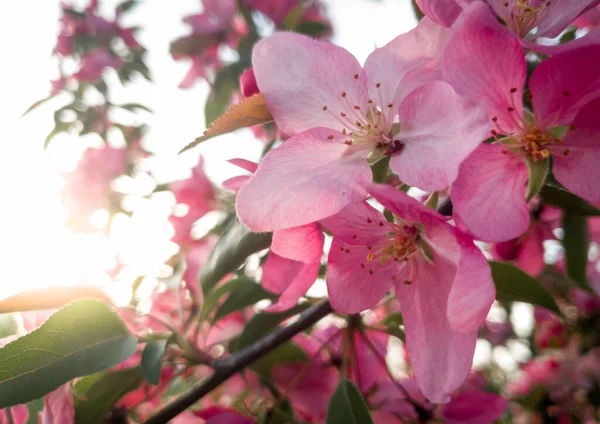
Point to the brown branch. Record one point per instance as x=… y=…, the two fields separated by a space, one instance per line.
x=226 y=367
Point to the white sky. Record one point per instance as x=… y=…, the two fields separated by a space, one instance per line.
x=35 y=248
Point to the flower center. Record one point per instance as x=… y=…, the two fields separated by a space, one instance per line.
x=398 y=246
x=525 y=15
x=368 y=127
x=535 y=144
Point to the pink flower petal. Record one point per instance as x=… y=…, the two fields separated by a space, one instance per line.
x=444 y=12
x=579 y=171
x=441 y=357
x=405 y=63
x=248 y=165
x=303 y=79
x=353 y=283
x=473 y=290
x=556 y=18
x=235 y=183
x=562 y=84
x=354 y=224
x=439 y=130
x=474 y=407
x=58 y=406
x=369 y=372
x=531 y=252
x=489 y=194
x=303 y=244
x=290 y=278
x=316 y=384
x=476 y=39
x=308 y=178
x=293 y=264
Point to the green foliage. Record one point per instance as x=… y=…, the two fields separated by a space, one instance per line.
x=246 y=293
x=567 y=201
x=538 y=170
x=152 y=357
x=212 y=299
x=226 y=83
x=576 y=241
x=97 y=394
x=82 y=338
x=347 y=406
x=264 y=323
x=513 y=284
x=230 y=252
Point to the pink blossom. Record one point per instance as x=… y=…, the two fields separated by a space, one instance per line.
x=590 y=19
x=528 y=20
x=441 y=278
x=489 y=192
x=248 y=83
x=19 y=414
x=293 y=264
x=194 y=260
x=343 y=114
x=528 y=250
x=58 y=406
x=88 y=188
x=276 y=10
x=198 y=194
x=215 y=18
x=222 y=415
x=93 y=64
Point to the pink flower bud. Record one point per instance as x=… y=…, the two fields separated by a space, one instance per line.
x=248 y=83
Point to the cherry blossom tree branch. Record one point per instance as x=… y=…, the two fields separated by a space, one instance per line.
x=227 y=367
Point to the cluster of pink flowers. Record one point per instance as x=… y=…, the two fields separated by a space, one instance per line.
x=90 y=38
x=414 y=102
x=220 y=26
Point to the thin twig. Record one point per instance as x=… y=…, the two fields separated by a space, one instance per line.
x=226 y=367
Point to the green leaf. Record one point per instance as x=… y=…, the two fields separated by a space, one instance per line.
x=347 y=406
x=152 y=357
x=134 y=106
x=102 y=391
x=576 y=242
x=380 y=169
x=212 y=300
x=126 y=5
x=538 y=170
x=230 y=252
x=393 y=319
x=312 y=28
x=286 y=352
x=263 y=323
x=38 y=103
x=291 y=20
x=82 y=338
x=220 y=97
x=563 y=199
x=246 y=293
x=513 y=284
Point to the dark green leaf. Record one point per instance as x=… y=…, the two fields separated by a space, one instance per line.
x=513 y=284
x=127 y=5
x=286 y=352
x=246 y=293
x=291 y=20
x=212 y=300
x=220 y=97
x=576 y=241
x=38 y=103
x=135 y=106
x=393 y=319
x=152 y=357
x=82 y=338
x=192 y=45
x=263 y=323
x=94 y=404
x=380 y=169
x=347 y=406
x=561 y=198
x=8 y=325
x=313 y=28
x=537 y=176
x=230 y=252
